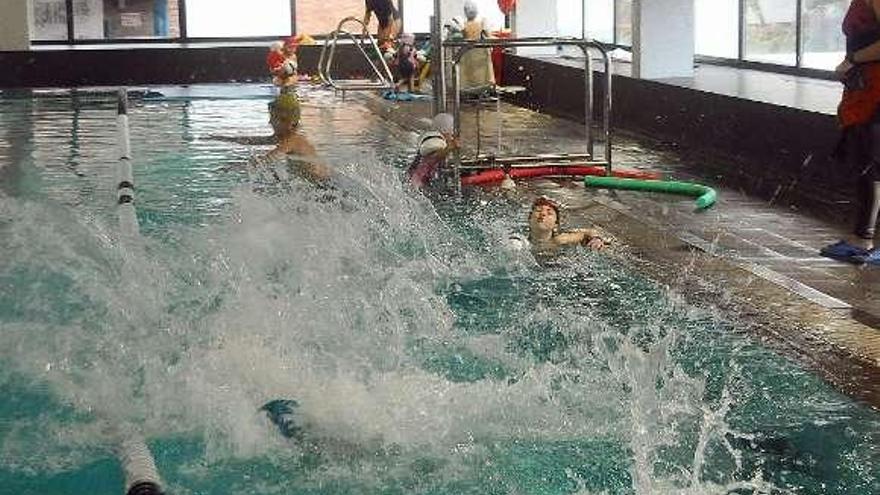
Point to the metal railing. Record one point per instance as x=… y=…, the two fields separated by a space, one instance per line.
x=384 y=79
x=490 y=161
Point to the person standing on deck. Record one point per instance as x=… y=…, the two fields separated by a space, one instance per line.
x=859 y=118
x=388 y=17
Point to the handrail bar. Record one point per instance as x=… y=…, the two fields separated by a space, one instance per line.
x=325 y=62
x=463 y=46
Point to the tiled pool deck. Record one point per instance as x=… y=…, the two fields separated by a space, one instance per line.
x=755 y=261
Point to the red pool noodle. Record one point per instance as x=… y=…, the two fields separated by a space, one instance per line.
x=497 y=175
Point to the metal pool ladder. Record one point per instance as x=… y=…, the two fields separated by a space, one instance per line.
x=383 y=77
x=482 y=161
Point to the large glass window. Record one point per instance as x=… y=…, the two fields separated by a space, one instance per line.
x=599 y=17
x=236 y=18
x=771 y=31
x=823 y=42
x=623 y=22
x=120 y=19
x=716 y=28
x=320 y=17
x=569 y=18
x=417 y=15
x=48 y=20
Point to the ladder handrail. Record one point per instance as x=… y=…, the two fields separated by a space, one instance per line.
x=386 y=79
x=462 y=47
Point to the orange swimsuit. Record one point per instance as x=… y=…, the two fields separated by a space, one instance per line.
x=861 y=96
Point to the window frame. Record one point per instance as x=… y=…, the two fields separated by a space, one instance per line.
x=739 y=61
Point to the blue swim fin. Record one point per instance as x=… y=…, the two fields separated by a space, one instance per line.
x=282 y=413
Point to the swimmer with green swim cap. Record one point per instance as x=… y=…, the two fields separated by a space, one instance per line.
x=284 y=113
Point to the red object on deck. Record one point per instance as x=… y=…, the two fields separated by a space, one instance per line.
x=506 y=6
x=498 y=56
x=497 y=175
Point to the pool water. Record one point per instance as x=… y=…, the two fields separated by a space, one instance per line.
x=427 y=356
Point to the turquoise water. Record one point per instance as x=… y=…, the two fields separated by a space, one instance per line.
x=427 y=356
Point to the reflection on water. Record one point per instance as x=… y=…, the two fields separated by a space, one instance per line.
x=424 y=355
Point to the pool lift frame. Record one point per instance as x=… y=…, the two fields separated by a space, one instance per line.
x=491 y=161
x=385 y=80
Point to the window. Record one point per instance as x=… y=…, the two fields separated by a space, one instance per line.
x=417 y=15
x=236 y=18
x=716 y=29
x=48 y=20
x=599 y=17
x=569 y=18
x=771 y=31
x=623 y=22
x=320 y=17
x=823 y=42
x=120 y=19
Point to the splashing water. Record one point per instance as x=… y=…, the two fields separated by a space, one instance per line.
x=425 y=357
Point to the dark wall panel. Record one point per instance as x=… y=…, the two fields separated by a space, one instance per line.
x=772 y=151
x=182 y=65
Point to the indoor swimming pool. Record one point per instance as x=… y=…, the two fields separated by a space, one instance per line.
x=426 y=355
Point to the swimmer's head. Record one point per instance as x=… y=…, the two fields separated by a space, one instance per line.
x=291 y=44
x=470 y=10
x=443 y=123
x=276 y=46
x=284 y=113
x=544 y=215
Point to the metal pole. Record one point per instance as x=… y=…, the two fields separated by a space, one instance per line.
x=606 y=116
x=588 y=95
x=440 y=56
x=456 y=113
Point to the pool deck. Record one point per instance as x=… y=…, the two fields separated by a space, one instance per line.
x=756 y=262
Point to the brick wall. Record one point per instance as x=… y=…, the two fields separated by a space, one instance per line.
x=173 y=19
x=319 y=17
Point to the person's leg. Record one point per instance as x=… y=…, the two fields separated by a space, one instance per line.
x=867 y=187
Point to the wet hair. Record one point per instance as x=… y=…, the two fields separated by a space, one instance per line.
x=545 y=201
x=470 y=10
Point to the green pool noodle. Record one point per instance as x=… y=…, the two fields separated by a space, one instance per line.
x=705 y=195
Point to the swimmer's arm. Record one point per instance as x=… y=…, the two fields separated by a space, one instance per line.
x=588 y=237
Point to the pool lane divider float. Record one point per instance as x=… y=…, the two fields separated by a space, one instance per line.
x=141 y=475
x=705 y=195
x=128 y=224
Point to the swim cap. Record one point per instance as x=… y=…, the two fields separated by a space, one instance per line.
x=443 y=122
x=431 y=143
x=286 y=105
x=470 y=9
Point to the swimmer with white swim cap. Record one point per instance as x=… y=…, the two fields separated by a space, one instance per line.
x=434 y=147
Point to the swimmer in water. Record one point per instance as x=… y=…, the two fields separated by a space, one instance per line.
x=544 y=233
x=434 y=147
x=290 y=145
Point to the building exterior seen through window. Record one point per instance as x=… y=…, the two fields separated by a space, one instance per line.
x=319 y=17
x=106 y=19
